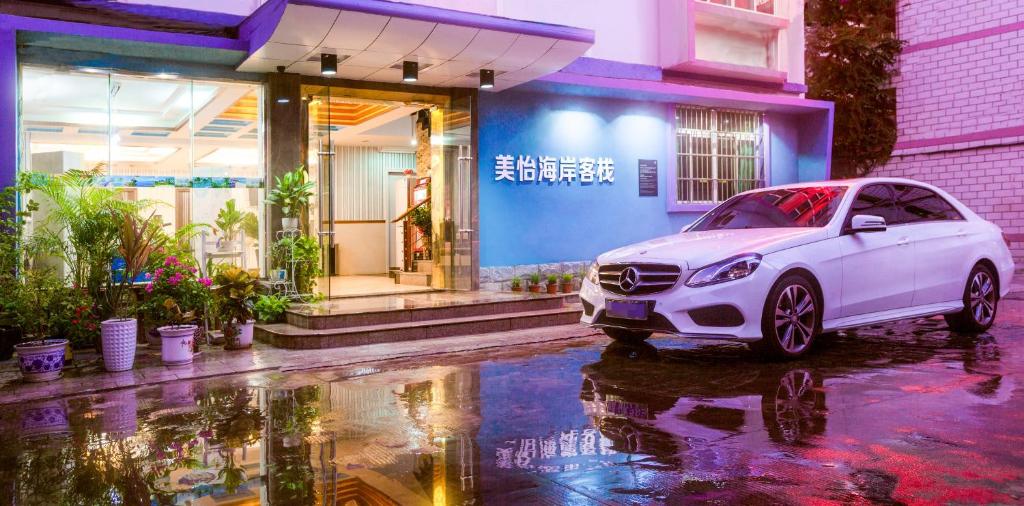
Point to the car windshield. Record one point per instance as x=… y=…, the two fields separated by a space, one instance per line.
x=811 y=206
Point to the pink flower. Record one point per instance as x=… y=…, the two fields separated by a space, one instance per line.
x=149 y=287
x=171 y=260
x=149 y=276
x=174 y=280
x=206 y=282
x=159 y=272
x=191 y=269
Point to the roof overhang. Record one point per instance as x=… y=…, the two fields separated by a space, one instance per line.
x=373 y=37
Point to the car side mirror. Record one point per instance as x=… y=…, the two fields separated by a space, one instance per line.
x=867 y=223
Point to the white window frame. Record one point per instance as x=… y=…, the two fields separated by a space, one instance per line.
x=708 y=158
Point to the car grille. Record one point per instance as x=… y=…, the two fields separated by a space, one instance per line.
x=651 y=278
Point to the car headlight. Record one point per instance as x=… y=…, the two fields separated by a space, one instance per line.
x=730 y=269
x=592 y=274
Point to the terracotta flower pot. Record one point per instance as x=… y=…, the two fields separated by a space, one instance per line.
x=517 y=288
x=567 y=287
x=41 y=360
x=552 y=288
x=176 y=345
x=534 y=288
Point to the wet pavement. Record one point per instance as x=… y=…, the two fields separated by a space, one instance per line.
x=903 y=413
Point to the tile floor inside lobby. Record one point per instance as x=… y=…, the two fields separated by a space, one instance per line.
x=356 y=286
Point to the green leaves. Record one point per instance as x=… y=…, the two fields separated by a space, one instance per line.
x=851 y=60
x=291 y=192
x=230 y=219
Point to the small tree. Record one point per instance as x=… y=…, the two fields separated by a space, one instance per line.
x=851 y=56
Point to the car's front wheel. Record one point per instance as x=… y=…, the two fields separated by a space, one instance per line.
x=981 y=300
x=791 y=320
x=627 y=336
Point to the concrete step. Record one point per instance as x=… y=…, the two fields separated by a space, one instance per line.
x=426 y=266
x=284 y=335
x=416 y=308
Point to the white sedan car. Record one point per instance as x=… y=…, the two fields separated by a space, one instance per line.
x=776 y=267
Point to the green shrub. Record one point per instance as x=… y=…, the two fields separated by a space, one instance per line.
x=270 y=308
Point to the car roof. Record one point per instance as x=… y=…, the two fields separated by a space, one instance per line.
x=856 y=182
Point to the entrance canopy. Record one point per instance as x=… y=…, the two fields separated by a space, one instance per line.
x=373 y=37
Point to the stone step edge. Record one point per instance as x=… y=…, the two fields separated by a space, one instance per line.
x=271 y=328
x=564 y=298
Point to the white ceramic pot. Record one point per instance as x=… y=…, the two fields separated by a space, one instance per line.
x=176 y=344
x=238 y=336
x=289 y=223
x=119 y=336
x=41 y=360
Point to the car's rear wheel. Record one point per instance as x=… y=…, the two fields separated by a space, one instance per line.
x=627 y=336
x=981 y=302
x=791 y=320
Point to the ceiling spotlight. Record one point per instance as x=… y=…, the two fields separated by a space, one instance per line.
x=283 y=100
x=486 y=79
x=91 y=70
x=410 y=71
x=328 y=64
x=166 y=75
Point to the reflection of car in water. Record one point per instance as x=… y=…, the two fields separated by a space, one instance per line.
x=655 y=402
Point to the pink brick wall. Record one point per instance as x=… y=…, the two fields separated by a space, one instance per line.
x=967 y=79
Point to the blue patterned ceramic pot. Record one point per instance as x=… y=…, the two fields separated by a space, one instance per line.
x=41 y=360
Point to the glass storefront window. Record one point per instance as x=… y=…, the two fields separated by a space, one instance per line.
x=193 y=147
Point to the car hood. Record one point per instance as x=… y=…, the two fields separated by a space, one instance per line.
x=693 y=250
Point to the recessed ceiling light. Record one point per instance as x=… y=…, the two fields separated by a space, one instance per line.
x=166 y=75
x=91 y=70
x=328 y=64
x=486 y=79
x=410 y=71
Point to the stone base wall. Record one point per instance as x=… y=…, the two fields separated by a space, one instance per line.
x=500 y=278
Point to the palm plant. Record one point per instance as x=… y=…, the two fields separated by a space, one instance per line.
x=81 y=227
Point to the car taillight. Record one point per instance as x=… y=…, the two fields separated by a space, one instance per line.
x=1006 y=239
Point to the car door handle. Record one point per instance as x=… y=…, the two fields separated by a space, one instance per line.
x=903 y=242
x=961 y=233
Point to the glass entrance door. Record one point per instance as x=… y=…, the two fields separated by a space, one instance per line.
x=322 y=159
x=363 y=144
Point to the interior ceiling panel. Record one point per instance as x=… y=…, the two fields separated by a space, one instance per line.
x=451 y=47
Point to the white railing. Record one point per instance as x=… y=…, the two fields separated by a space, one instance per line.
x=762 y=6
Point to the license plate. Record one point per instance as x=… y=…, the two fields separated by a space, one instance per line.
x=626 y=309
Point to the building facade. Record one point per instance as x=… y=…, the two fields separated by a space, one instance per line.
x=959 y=117
x=543 y=132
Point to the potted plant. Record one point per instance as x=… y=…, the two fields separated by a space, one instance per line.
x=552 y=283
x=12 y=224
x=118 y=334
x=291 y=193
x=535 y=282
x=178 y=337
x=235 y=295
x=567 y=284
x=517 y=284
x=177 y=281
x=229 y=221
x=37 y=300
x=421 y=219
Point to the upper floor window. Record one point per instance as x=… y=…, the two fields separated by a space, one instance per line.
x=720 y=153
x=765 y=6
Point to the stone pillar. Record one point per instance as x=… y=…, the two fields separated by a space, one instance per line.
x=8 y=105
x=286 y=133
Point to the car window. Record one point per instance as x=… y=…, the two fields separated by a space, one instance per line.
x=876 y=200
x=916 y=204
x=811 y=206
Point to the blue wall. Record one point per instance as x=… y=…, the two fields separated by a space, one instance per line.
x=536 y=223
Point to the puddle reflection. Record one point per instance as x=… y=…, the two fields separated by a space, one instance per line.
x=645 y=424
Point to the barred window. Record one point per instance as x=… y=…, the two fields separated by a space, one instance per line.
x=720 y=153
